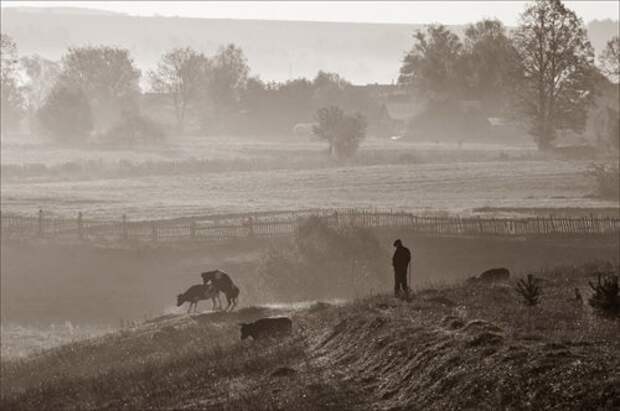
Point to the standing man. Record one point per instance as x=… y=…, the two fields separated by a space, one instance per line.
x=400 y=261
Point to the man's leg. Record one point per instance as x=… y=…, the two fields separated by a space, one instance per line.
x=396 y=284
x=403 y=283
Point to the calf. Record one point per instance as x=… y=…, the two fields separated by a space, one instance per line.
x=267 y=327
x=196 y=293
x=495 y=274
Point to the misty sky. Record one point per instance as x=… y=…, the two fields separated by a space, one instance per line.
x=447 y=12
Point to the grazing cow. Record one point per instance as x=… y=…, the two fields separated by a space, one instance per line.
x=495 y=274
x=491 y=276
x=267 y=327
x=196 y=293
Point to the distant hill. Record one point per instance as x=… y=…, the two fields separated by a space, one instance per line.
x=276 y=50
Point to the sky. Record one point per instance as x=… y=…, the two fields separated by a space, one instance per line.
x=422 y=12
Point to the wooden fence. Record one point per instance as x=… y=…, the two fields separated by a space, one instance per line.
x=265 y=225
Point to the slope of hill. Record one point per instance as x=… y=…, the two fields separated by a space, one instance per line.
x=465 y=347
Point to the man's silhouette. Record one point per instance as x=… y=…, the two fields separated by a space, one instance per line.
x=400 y=261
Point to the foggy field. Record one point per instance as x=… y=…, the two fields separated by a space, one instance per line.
x=187 y=180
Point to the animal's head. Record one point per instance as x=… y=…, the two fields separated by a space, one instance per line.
x=180 y=300
x=245 y=330
x=206 y=277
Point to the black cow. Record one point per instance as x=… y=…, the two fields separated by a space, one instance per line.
x=267 y=327
x=490 y=276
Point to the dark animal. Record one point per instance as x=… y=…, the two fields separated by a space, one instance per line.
x=267 y=327
x=491 y=276
x=222 y=282
x=231 y=298
x=196 y=293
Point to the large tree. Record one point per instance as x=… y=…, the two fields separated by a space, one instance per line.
x=107 y=77
x=555 y=84
x=181 y=74
x=609 y=59
x=228 y=77
x=490 y=57
x=434 y=65
x=11 y=99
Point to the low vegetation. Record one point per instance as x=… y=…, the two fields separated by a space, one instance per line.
x=468 y=347
x=605 y=297
x=607 y=179
x=529 y=290
x=325 y=262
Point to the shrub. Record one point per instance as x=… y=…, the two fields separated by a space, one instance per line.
x=134 y=128
x=66 y=114
x=605 y=297
x=325 y=262
x=343 y=132
x=529 y=290
x=607 y=178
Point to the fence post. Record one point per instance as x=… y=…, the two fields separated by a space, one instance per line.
x=154 y=231
x=80 y=226
x=192 y=230
x=124 y=233
x=40 y=221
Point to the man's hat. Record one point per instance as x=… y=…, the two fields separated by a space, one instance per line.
x=398 y=243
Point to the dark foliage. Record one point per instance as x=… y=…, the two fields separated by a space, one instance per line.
x=529 y=290
x=134 y=128
x=605 y=297
x=343 y=132
x=66 y=114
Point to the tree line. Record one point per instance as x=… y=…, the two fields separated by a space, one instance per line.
x=541 y=75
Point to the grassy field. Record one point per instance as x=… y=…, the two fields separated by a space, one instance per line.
x=466 y=347
x=196 y=176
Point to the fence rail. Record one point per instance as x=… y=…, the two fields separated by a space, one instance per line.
x=217 y=228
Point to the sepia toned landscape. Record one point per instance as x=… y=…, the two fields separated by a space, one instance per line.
x=274 y=172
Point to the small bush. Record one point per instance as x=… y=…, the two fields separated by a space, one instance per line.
x=605 y=297
x=134 y=128
x=607 y=178
x=529 y=290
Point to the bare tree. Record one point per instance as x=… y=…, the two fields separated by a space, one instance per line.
x=609 y=59
x=556 y=82
x=181 y=74
x=41 y=76
x=11 y=99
